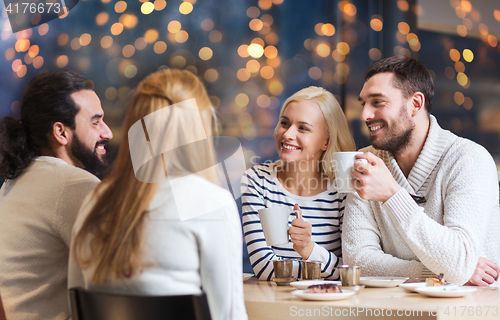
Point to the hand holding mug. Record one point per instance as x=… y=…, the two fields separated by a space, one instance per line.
x=374 y=181
x=300 y=234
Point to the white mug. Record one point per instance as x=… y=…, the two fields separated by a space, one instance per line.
x=342 y=164
x=274 y=222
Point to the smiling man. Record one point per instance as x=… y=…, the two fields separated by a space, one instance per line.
x=427 y=200
x=61 y=132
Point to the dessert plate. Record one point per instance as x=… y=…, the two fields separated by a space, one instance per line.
x=303 y=294
x=382 y=282
x=414 y=285
x=445 y=292
x=302 y=285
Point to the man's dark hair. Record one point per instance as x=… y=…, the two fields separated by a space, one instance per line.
x=45 y=101
x=410 y=76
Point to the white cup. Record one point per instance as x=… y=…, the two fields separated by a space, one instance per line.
x=342 y=164
x=274 y=222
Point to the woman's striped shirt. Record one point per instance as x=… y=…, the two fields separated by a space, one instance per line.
x=261 y=189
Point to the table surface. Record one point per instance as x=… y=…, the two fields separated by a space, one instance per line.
x=265 y=300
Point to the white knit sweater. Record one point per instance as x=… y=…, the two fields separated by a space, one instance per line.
x=182 y=257
x=37 y=212
x=458 y=223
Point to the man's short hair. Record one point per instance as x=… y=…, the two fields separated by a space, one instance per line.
x=410 y=76
x=45 y=101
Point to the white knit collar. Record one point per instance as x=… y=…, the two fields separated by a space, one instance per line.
x=436 y=143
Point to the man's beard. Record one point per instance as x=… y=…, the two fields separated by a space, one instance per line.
x=88 y=157
x=395 y=142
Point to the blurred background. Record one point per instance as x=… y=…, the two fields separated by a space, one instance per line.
x=253 y=54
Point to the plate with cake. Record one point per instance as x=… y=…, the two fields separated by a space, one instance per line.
x=323 y=292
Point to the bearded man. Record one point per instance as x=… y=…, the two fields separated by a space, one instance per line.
x=427 y=200
x=60 y=133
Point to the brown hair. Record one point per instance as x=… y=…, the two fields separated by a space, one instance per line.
x=113 y=229
x=410 y=76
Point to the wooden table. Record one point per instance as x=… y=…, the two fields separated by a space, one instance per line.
x=264 y=300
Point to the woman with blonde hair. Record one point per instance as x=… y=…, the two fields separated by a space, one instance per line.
x=160 y=224
x=311 y=127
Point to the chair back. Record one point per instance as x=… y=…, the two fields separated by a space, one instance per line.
x=2 y=312
x=91 y=305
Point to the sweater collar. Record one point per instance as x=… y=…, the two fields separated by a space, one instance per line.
x=436 y=143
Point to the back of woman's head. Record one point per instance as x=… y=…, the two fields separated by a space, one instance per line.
x=175 y=101
x=123 y=199
x=45 y=101
x=340 y=139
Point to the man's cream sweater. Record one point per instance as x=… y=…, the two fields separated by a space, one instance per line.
x=458 y=223
x=37 y=212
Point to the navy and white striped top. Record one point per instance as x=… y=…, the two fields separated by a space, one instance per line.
x=325 y=211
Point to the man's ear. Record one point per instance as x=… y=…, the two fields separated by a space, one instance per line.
x=61 y=133
x=417 y=103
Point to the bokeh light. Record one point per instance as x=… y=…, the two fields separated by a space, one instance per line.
x=185 y=8
x=116 y=28
x=62 y=61
x=253 y=66
x=129 y=21
x=314 y=73
x=374 y=54
x=241 y=100
x=328 y=29
x=43 y=29
x=147 y=7
x=454 y=55
x=243 y=74
x=106 y=42
x=459 y=97
x=211 y=75
x=128 y=51
x=206 y=25
x=256 y=24
x=120 y=6
x=323 y=50
x=376 y=24
x=205 y=53
x=468 y=55
x=253 y=12
x=102 y=18
x=255 y=50
x=267 y=72
x=151 y=35
x=403 y=27
x=271 y=52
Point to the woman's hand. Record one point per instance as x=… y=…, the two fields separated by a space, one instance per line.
x=300 y=235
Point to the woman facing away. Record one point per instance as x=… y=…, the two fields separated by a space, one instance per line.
x=141 y=231
x=311 y=127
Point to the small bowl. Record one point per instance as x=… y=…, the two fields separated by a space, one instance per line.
x=284 y=281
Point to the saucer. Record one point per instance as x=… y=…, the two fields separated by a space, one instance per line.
x=247 y=276
x=382 y=282
x=445 y=292
x=284 y=281
x=303 y=294
x=356 y=289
